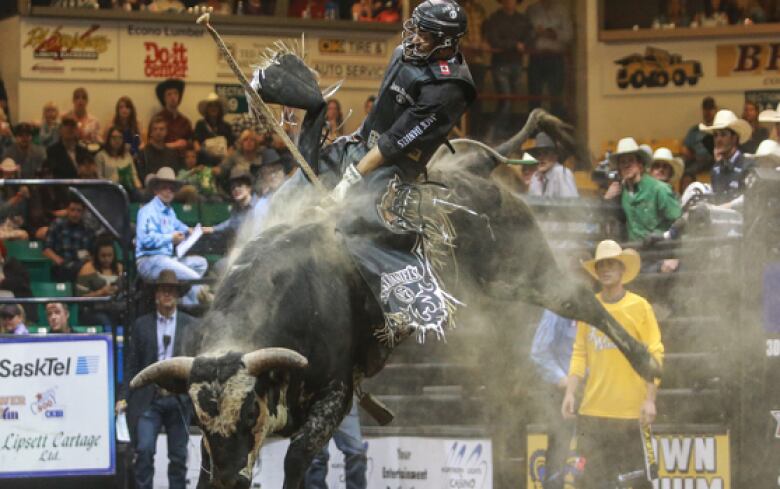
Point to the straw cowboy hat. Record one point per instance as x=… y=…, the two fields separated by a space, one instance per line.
x=210 y=99
x=163 y=175
x=770 y=115
x=174 y=83
x=9 y=165
x=610 y=250
x=726 y=119
x=628 y=146
x=665 y=155
x=767 y=152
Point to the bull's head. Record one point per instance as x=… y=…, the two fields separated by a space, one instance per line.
x=238 y=399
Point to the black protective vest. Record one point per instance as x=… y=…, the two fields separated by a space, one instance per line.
x=401 y=86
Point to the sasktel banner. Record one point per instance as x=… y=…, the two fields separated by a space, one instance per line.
x=56 y=406
x=396 y=462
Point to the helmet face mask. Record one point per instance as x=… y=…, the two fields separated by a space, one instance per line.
x=434 y=25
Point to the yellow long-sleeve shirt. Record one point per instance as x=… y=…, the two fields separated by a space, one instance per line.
x=613 y=389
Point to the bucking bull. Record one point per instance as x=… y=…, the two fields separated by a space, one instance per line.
x=290 y=331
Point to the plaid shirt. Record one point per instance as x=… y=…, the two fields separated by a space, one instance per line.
x=66 y=239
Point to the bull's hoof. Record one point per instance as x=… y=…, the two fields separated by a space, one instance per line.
x=376 y=409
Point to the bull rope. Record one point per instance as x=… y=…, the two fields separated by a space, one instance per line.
x=257 y=103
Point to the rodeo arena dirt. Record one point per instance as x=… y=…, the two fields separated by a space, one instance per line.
x=465 y=244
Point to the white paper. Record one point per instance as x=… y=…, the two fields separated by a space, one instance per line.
x=122 y=432
x=193 y=238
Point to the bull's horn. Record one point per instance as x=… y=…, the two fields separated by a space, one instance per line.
x=177 y=368
x=264 y=359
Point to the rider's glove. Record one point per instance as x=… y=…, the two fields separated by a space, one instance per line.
x=350 y=178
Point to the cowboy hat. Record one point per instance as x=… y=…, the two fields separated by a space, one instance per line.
x=610 y=250
x=726 y=119
x=241 y=174
x=211 y=98
x=628 y=146
x=767 y=152
x=770 y=115
x=665 y=155
x=168 y=278
x=9 y=165
x=542 y=141
x=164 y=174
x=174 y=83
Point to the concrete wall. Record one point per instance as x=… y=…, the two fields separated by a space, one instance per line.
x=9 y=62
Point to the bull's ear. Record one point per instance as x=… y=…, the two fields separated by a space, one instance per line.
x=171 y=374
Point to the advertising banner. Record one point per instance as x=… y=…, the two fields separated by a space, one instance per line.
x=675 y=67
x=56 y=406
x=63 y=50
x=684 y=460
x=249 y=50
x=396 y=462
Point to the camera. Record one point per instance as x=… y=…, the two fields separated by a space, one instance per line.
x=603 y=175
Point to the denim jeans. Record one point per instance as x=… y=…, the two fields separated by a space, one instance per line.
x=547 y=71
x=186 y=268
x=349 y=441
x=175 y=416
x=506 y=79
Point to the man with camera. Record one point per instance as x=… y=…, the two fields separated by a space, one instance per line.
x=649 y=204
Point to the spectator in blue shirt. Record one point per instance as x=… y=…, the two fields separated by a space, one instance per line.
x=246 y=204
x=158 y=231
x=551 y=354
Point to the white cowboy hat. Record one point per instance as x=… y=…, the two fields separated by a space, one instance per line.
x=9 y=165
x=770 y=115
x=211 y=98
x=627 y=146
x=164 y=174
x=767 y=151
x=610 y=250
x=665 y=155
x=726 y=119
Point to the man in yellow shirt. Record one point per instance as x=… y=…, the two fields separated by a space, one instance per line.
x=615 y=398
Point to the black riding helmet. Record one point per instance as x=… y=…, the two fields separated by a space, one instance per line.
x=445 y=19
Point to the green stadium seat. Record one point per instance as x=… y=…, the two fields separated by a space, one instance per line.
x=187 y=213
x=214 y=213
x=54 y=289
x=134 y=206
x=30 y=253
x=38 y=329
x=87 y=329
x=212 y=259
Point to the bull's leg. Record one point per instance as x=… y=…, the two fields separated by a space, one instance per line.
x=205 y=467
x=324 y=417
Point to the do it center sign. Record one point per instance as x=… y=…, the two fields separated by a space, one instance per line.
x=56 y=406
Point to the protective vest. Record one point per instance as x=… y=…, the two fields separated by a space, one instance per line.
x=401 y=87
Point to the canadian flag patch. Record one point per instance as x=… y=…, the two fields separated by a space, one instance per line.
x=444 y=67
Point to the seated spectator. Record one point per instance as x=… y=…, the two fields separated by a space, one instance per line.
x=87 y=168
x=126 y=121
x=68 y=242
x=731 y=166
x=650 y=205
x=242 y=122
x=387 y=11
x=674 y=14
x=508 y=32
x=334 y=121
x=771 y=116
x=272 y=174
x=14 y=203
x=553 y=33
x=257 y=7
x=197 y=181
x=246 y=157
x=246 y=204
x=49 y=130
x=88 y=125
x=179 y=128
x=552 y=179
x=57 y=316
x=213 y=136
x=100 y=277
x=666 y=167
x=362 y=11
x=62 y=158
x=369 y=104
x=6 y=135
x=156 y=154
x=158 y=231
x=718 y=12
x=16 y=280
x=698 y=145
x=28 y=155
x=750 y=115
x=115 y=163
x=12 y=317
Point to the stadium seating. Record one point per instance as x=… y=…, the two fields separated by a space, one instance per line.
x=213 y=213
x=54 y=289
x=30 y=253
